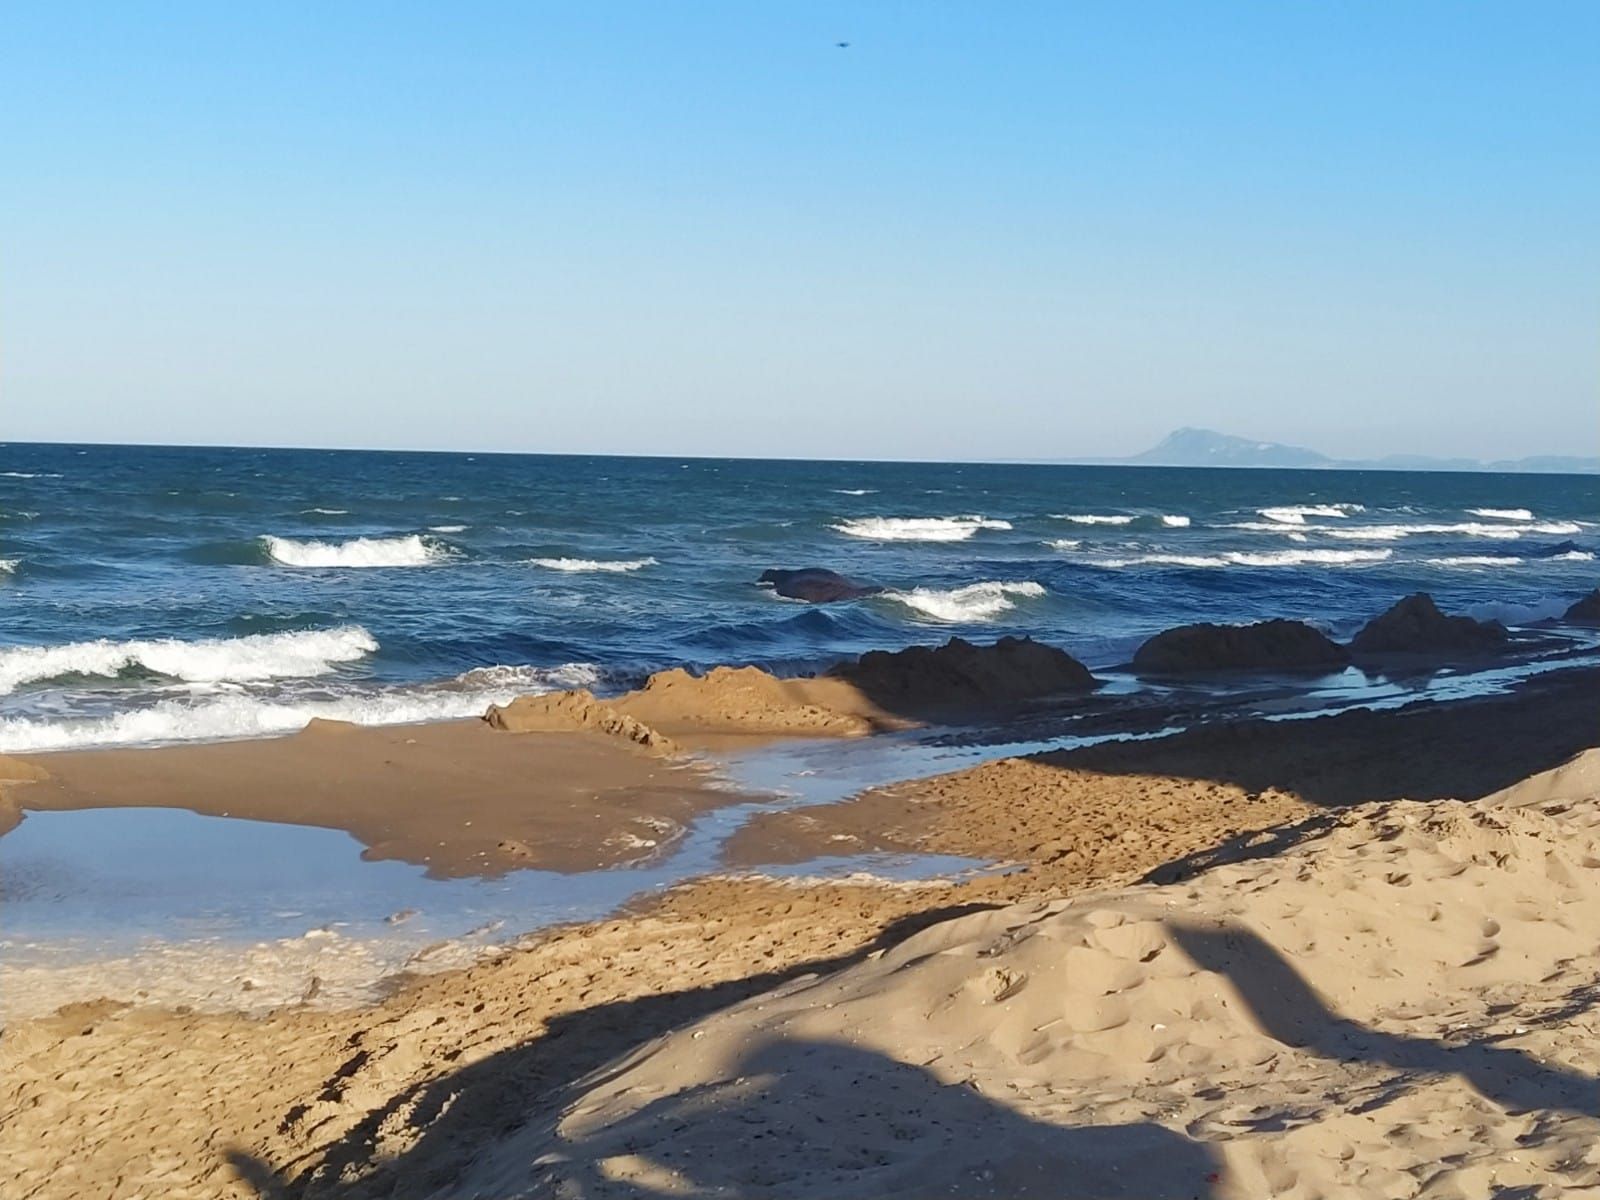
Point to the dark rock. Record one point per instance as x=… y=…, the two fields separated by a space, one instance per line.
x=1416 y=626
x=816 y=585
x=1266 y=646
x=1586 y=611
x=960 y=676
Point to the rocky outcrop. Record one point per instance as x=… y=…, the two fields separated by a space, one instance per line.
x=960 y=677
x=816 y=585
x=1585 y=611
x=1416 y=626
x=1265 y=646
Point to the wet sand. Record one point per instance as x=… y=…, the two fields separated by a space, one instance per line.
x=458 y=798
x=477 y=1074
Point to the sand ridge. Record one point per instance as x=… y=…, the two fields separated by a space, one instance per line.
x=1400 y=1008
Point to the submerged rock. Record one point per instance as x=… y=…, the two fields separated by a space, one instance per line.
x=816 y=585
x=1416 y=626
x=1265 y=646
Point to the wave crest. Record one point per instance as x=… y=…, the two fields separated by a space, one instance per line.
x=592 y=564
x=917 y=529
x=1503 y=514
x=237 y=715
x=1244 y=558
x=974 y=602
x=412 y=550
x=212 y=660
x=1296 y=514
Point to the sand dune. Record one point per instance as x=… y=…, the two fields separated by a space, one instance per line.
x=1400 y=1008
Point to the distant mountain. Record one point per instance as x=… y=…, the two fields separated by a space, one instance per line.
x=1207 y=448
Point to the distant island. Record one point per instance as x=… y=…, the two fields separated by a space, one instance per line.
x=1207 y=448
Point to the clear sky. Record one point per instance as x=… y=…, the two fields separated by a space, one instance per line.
x=983 y=230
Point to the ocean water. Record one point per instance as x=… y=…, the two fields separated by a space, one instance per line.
x=155 y=594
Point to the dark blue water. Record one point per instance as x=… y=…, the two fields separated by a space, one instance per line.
x=156 y=594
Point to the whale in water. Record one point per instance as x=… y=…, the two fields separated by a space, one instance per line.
x=815 y=585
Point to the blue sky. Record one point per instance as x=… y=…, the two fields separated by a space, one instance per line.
x=981 y=231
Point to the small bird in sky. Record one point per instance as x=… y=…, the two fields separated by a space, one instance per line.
x=842 y=45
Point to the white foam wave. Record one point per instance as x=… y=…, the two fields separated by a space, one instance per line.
x=30 y=474
x=1064 y=544
x=238 y=715
x=447 y=528
x=855 y=491
x=8 y=565
x=413 y=550
x=592 y=564
x=211 y=660
x=1240 y=558
x=974 y=602
x=1480 y=529
x=327 y=512
x=1174 y=521
x=1475 y=560
x=1094 y=518
x=1503 y=514
x=1509 y=613
x=917 y=529
x=1296 y=514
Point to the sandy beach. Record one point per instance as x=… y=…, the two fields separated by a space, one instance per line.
x=1208 y=961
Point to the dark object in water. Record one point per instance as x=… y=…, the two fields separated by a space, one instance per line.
x=816 y=585
x=1277 y=645
x=1416 y=626
x=1586 y=610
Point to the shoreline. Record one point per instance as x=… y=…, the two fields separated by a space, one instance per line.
x=517 y=1031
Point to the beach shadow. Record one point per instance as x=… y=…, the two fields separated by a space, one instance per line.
x=1291 y=1012
x=848 y=1121
x=1463 y=750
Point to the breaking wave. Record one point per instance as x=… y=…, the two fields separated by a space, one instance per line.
x=1094 y=518
x=917 y=529
x=413 y=550
x=1242 y=558
x=212 y=660
x=592 y=564
x=1296 y=514
x=239 y=715
x=974 y=602
x=1503 y=514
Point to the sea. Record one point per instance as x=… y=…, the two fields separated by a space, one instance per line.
x=156 y=594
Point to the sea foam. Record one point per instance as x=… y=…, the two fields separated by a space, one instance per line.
x=1503 y=514
x=974 y=602
x=1094 y=518
x=592 y=564
x=238 y=715
x=917 y=529
x=412 y=550
x=1296 y=514
x=1244 y=558
x=210 y=660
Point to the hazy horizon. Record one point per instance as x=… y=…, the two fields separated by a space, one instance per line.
x=715 y=233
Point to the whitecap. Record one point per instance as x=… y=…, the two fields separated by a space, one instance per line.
x=974 y=602
x=855 y=491
x=1242 y=558
x=592 y=564
x=1174 y=521
x=8 y=565
x=917 y=529
x=1094 y=518
x=1503 y=514
x=239 y=715
x=1475 y=560
x=1064 y=544
x=30 y=474
x=412 y=550
x=327 y=512
x=208 y=660
x=447 y=528
x=1296 y=514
